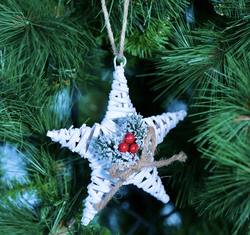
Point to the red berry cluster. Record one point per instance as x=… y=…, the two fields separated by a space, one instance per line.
x=128 y=144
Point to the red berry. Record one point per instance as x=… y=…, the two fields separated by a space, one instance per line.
x=133 y=148
x=129 y=138
x=123 y=147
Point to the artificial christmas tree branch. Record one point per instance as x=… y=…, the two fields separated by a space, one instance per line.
x=197 y=50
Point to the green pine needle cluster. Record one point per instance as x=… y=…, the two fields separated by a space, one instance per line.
x=210 y=62
x=40 y=36
x=232 y=8
x=141 y=43
x=149 y=24
x=194 y=57
x=226 y=131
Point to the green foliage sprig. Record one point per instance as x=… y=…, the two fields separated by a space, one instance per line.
x=226 y=130
x=232 y=8
x=106 y=147
x=39 y=35
x=194 y=57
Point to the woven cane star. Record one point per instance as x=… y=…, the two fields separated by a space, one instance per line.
x=102 y=181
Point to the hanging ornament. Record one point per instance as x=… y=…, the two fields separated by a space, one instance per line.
x=103 y=146
x=120 y=149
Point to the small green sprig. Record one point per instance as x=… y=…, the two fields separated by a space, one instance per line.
x=106 y=146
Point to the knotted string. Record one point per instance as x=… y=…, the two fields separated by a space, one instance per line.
x=117 y=53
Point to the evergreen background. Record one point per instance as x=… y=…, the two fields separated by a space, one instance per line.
x=56 y=71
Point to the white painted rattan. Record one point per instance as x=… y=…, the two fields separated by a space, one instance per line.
x=79 y=139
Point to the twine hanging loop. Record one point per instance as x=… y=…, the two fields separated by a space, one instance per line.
x=118 y=54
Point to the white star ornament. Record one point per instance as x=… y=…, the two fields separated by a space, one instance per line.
x=79 y=139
